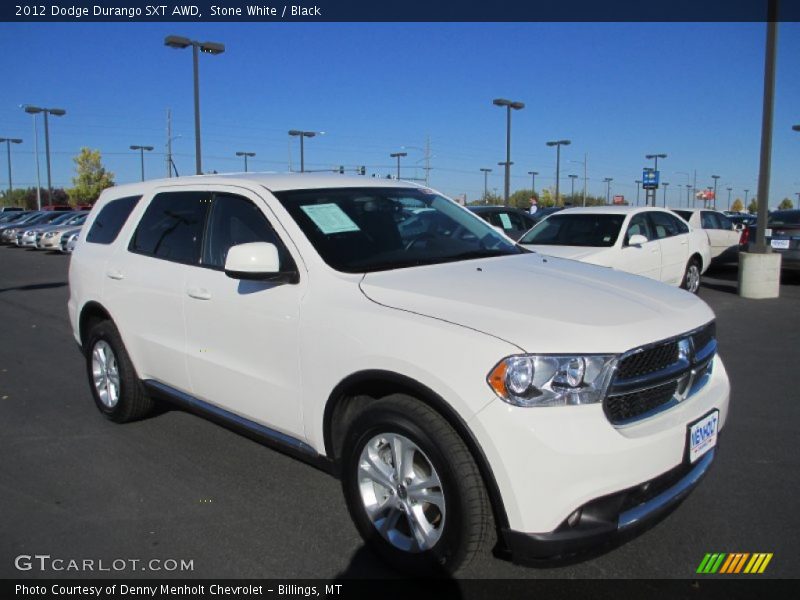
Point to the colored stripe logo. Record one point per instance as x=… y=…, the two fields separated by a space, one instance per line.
x=734 y=563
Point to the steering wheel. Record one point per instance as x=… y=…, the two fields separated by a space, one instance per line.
x=425 y=235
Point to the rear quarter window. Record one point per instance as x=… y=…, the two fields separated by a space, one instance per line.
x=109 y=221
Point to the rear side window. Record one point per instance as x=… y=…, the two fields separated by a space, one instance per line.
x=665 y=225
x=172 y=227
x=707 y=218
x=109 y=221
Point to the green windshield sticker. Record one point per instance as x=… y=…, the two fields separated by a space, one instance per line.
x=505 y=221
x=330 y=218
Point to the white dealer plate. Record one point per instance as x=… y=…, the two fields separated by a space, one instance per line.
x=703 y=435
x=780 y=244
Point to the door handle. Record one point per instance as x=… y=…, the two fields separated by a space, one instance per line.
x=199 y=293
x=114 y=274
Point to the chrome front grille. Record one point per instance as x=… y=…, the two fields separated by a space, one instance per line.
x=658 y=376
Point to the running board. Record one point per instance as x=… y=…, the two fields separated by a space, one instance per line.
x=239 y=424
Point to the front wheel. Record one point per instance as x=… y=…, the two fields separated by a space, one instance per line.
x=691 y=279
x=413 y=489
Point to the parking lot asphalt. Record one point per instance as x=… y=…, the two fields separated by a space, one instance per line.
x=76 y=486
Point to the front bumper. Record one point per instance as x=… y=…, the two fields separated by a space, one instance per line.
x=550 y=463
x=611 y=518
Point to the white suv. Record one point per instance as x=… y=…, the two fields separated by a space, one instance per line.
x=465 y=389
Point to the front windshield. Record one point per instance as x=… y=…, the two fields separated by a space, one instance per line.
x=358 y=230
x=576 y=229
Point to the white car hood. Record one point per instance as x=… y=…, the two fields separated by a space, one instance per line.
x=542 y=304
x=595 y=256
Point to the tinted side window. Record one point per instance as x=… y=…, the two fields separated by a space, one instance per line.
x=707 y=219
x=664 y=225
x=235 y=220
x=110 y=220
x=639 y=225
x=680 y=224
x=724 y=222
x=172 y=226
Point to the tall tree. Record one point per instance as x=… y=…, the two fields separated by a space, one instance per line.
x=752 y=208
x=785 y=204
x=738 y=205
x=92 y=177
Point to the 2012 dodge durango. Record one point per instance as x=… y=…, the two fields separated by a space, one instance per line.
x=465 y=390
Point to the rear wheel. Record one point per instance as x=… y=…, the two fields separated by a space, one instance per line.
x=691 y=279
x=116 y=388
x=413 y=489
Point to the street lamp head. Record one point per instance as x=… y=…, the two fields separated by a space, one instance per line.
x=212 y=47
x=503 y=164
x=795 y=127
x=572 y=176
x=32 y=110
x=147 y=148
x=486 y=170
x=652 y=156
x=638 y=181
x=249 y=154
x=398 y=154
x=501 y=102
x=559 y=143
x=11 y=140
x=533 y=172
x=57 y=112
x=177 y=41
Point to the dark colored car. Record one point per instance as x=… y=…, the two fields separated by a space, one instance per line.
x=546 y=212
x=783 y=236
x=512 y=221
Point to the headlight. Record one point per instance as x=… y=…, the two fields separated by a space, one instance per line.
x=552 y=380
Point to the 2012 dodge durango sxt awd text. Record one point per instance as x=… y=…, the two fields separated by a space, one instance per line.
x=465 y=389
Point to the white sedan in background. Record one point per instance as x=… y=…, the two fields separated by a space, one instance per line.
x=651 y=242
x=722 y=234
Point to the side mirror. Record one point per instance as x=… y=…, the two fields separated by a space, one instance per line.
x=256 y=261
x=637 y=239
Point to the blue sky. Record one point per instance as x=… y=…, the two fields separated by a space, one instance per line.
x=618 y=91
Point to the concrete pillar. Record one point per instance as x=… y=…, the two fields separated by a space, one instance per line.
x=759 y=275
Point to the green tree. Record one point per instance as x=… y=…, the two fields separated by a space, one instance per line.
x=92 y=177
x=752 y=208
x=785 y=204
x=521 y=199
x=738 y=205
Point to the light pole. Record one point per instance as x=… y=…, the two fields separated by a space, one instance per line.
x=246 y=154
x=486 y=183
x=715 y=178
x=655 y=157
x=302 y=135
x=8 y=142
x=398 y=156
x=572 y=191
x=665 y=184
x=533 y=175
x=509 y=104
x=638 y=182
x=730 y=189
x=141 y=150
x=746 y=193
x=608 y=181
x=179 y=42
x=688 y=193
x=56 y=112
x=558 y=144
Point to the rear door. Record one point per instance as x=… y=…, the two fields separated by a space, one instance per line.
x=145 y=281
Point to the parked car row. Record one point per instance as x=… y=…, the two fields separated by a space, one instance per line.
x=42 y=230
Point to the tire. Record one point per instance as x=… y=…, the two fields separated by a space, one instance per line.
x=691 y=278
x=116 y=388
x=455 y=522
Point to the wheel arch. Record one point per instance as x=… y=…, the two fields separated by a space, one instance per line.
x=92 y=312
x=358 y=388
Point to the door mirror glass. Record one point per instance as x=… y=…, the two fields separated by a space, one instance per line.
x=254 y=260
x=637 y=239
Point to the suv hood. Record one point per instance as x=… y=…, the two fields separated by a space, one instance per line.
x=542 y=304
